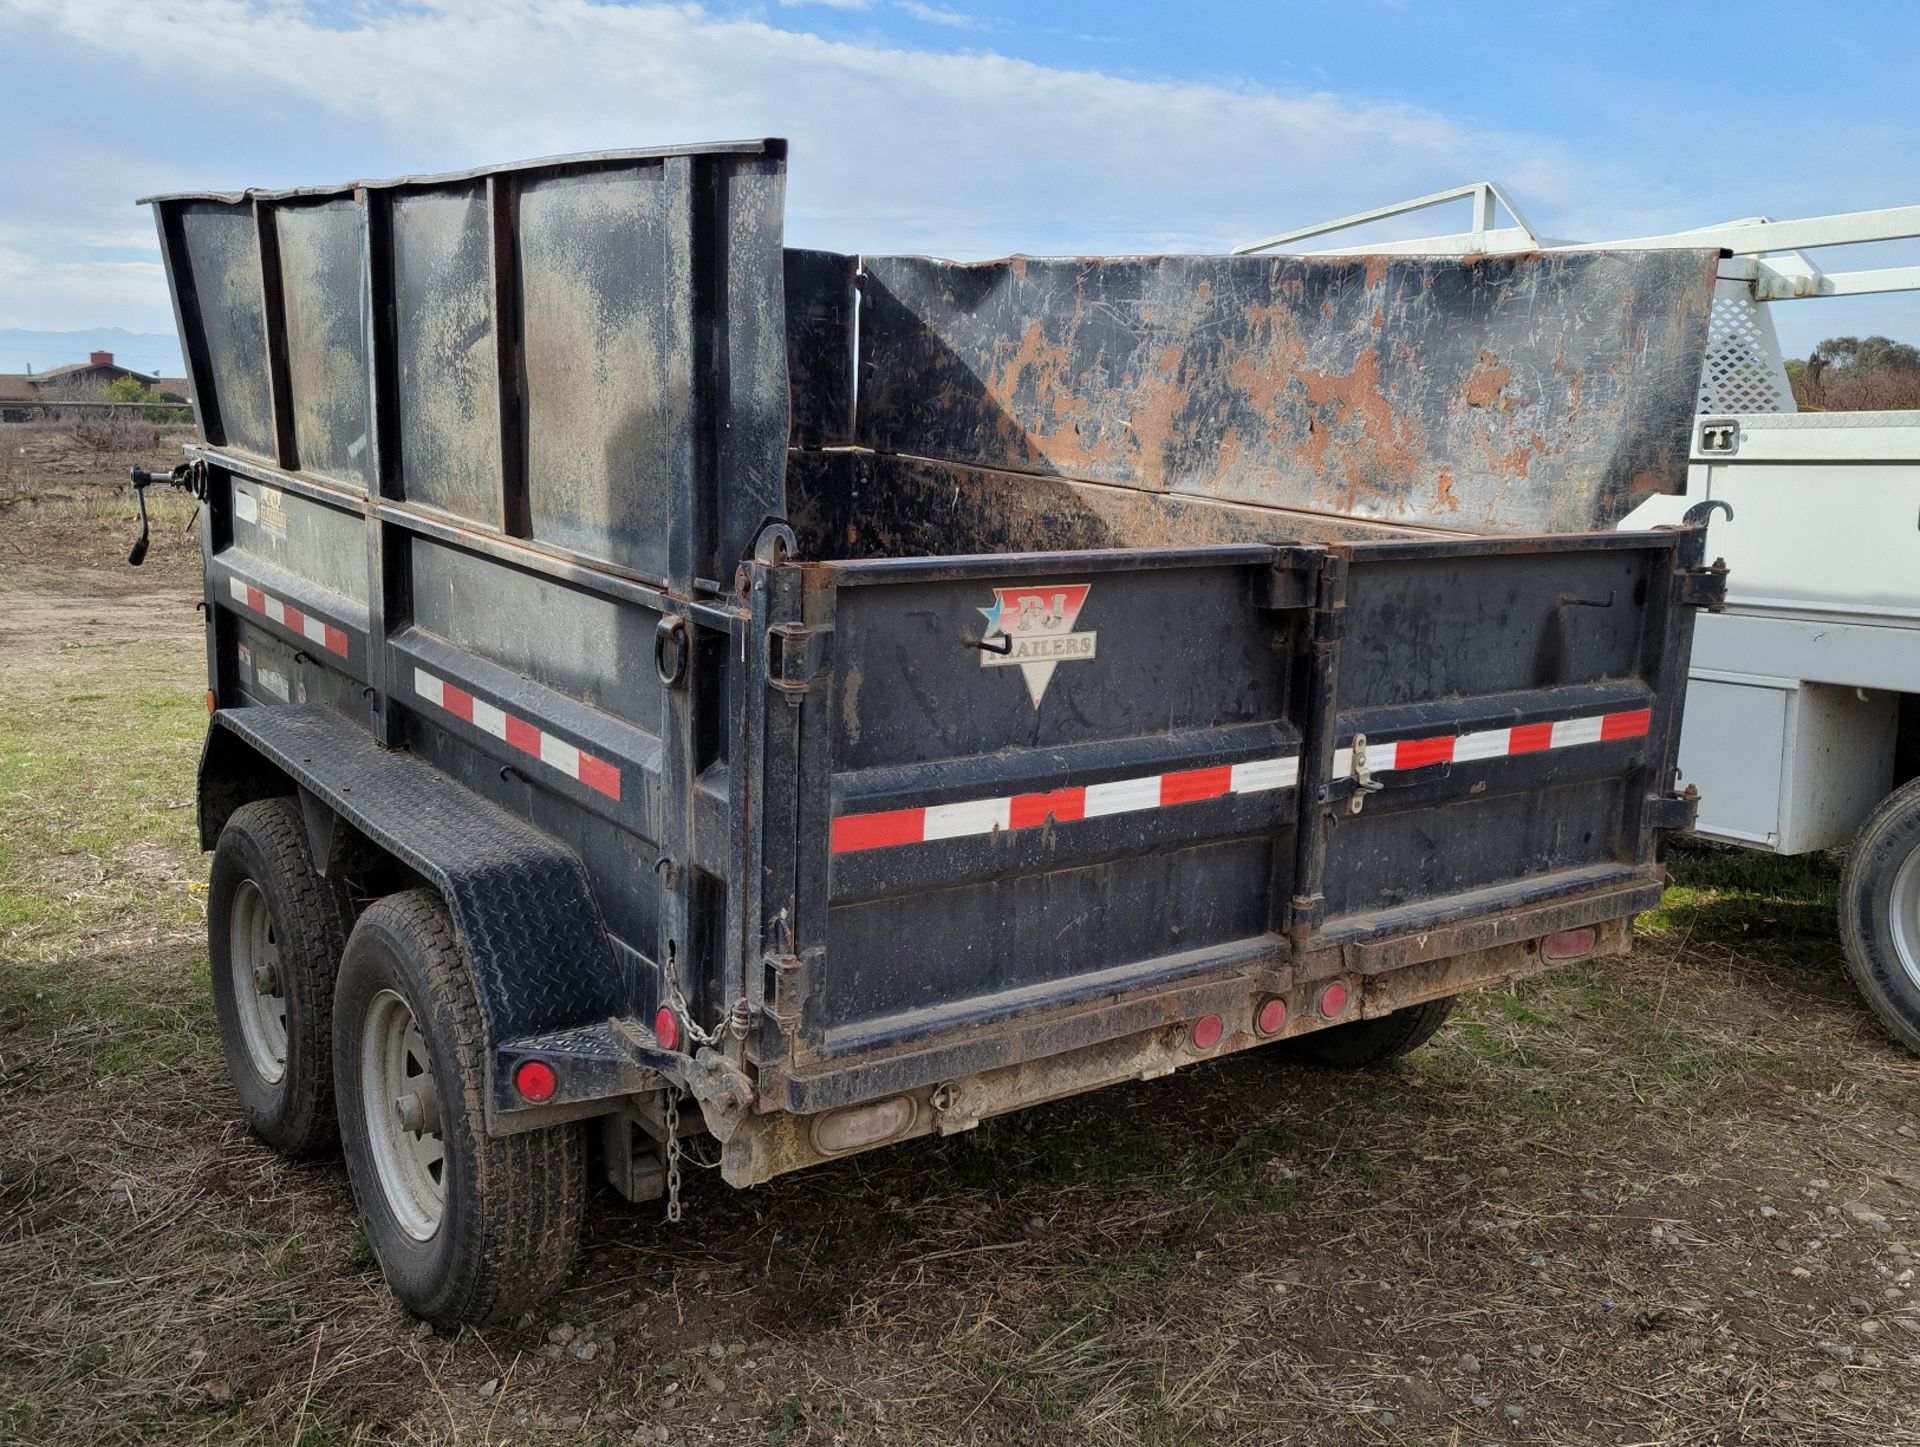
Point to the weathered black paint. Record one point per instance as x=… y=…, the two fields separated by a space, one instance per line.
x=511 y=428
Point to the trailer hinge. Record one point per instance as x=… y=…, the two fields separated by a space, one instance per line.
x=1330 y=605
x=796 y=655
x=1704 y=587
x=1676 y=812
x=787 y=975
x=1293 y=581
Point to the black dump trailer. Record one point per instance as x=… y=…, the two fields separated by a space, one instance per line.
x=664 y=685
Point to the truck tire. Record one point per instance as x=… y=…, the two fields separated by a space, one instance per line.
x=1368 y=1042
x=467 y=1228
x=275 y=931
x=1880 y=913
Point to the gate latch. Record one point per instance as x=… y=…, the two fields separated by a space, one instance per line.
x=796 y=655
x=1705 y=587
x=1677 y=812
x=1364 y=782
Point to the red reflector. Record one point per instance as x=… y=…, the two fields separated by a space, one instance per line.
x=666 y=1028
x=1207 y=1031
x=535 y=1080
x=1568 y=944
x=1272 y=1017
x=1333 y=1000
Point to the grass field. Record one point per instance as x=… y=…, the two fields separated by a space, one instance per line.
x=1668 y=1198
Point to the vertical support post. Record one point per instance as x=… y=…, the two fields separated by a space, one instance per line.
x=768 y=726
x=510 y=369
x=214 y=524
x=1318 y=745
x=684 y=347
x=807 y=741
x=186 y=317
x=388 y=564
x=1668 y=643
x=1483 y=208
x=273 y=313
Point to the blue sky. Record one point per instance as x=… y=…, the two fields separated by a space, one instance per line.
x=967 y=128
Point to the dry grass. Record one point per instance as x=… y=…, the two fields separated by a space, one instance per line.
x=1568 y=1185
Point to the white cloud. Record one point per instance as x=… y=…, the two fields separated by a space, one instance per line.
x=829 y=4
x=939 y=15
x=39 y=294
x=893 y=148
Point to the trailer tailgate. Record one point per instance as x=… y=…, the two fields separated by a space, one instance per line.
x=1155 y=784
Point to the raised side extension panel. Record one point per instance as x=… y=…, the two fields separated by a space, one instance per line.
x=1512 y=394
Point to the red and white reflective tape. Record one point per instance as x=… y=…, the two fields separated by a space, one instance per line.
x=1088 y=801
x=316 y=630
x=855 y=832
x=571 y=760
x=1496 y=743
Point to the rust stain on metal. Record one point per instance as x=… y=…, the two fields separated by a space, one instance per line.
x=1487 y=381
x=1380 y=445
x=1536 y=386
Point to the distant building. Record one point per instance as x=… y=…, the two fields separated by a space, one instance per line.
x=80 y=382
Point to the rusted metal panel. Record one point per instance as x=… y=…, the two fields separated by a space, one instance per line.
x=857 y=504
x=1531 y=393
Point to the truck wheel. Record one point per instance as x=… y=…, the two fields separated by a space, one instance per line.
x=275 y=930
x=1880 y=913
x=1368 y=1042
x=466 y=1227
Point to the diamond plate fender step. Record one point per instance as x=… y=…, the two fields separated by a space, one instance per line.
x=519 y=898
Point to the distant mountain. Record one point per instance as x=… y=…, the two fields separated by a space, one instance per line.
x=155 y=353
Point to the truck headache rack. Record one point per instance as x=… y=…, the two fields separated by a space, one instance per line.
x=865 y=694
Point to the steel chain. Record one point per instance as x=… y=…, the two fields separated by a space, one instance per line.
x=736 y=1022
x=672 y=1149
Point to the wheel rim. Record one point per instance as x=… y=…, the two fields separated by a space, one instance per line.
x=402 y=1107
x=1903 y=907
x=259 y=987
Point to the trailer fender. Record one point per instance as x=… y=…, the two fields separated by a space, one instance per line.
x=520 y=900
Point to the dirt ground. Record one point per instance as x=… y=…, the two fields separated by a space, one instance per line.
x=1667 y=1198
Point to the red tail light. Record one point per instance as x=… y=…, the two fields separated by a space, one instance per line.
x=1568 y=944
x=1272 y=1018
x=1207 y=1032
x=1333 y=1001
x=666 y=1028
x=535 y=1080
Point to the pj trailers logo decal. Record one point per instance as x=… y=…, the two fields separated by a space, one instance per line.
x=1032 y=629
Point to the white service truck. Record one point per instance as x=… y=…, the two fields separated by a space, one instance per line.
x=1802 y=728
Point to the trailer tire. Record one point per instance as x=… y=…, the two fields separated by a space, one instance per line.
x=1880 y=913
x=275 y=932
x=1369 y=1042
x=496 y=1228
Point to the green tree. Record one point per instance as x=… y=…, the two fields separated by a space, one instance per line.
x=1859 y=356
x=124 y=389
